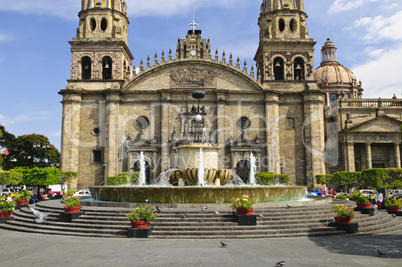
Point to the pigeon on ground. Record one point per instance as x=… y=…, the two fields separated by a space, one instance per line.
x=201 y=221
x=393 y=215
x=40 y=217
x=288 y=206
x=261 y=215
x=223 y=245
x=280 y=263
x=157 y=210
x=380 y=253
x=204 y=208
x=217 y=212
x=184 y=216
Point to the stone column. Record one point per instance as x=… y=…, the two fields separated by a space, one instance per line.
x=272 y=132
x=397 y=155
x=314 y=134
x=369 y=164
x=350 y=157
x=220 y=127
x=164 y=130
x=112 y=135
x=70 y=138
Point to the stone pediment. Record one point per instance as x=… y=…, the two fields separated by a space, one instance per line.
x=383 y=123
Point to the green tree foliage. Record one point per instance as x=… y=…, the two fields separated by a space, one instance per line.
x=347 y=179
x=39 y=176
x=269 y=178
x=21 y=151
x=67 y=177
x=323 y=178
x=382 y=178
x=11 y=178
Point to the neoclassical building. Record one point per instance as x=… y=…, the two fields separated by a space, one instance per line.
x=282 y=110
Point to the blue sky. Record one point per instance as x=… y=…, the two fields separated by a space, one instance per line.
x=35 y=54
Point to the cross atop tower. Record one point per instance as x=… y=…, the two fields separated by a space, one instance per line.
x=193 y=24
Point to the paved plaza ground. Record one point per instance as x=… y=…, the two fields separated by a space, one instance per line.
x=26 y=249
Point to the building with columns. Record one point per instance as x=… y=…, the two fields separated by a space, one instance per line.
x=276 y=110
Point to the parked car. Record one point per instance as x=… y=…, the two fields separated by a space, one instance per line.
x=396 y=192
x=6 y=191
x=83 y=193
x=331 y=193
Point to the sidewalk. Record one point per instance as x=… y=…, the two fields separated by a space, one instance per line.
x=25 y=249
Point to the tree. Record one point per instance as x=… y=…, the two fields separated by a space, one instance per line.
x=39 y=176
x=22 y=153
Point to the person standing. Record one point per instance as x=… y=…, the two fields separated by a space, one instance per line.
x=378 y=199
x=324 y=189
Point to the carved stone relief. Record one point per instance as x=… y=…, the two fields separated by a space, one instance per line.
x=192 y=78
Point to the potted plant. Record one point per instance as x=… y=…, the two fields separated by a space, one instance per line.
x=23 y=197
x=243 y=205
x=344 y=214
x=142 y=216
x=362 y=201
x=393 y=204
x=72 y=204
x=6 y=207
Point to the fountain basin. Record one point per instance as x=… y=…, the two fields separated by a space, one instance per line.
x=196 y=194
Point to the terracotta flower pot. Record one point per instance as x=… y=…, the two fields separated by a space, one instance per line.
x=343 y=219
x=241 y=211
x=393 y=209
x=140 y=224
x=22 y=202
x=363 y=205
x=5 y=214
x=72 y=209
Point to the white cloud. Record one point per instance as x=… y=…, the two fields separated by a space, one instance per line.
x=344 y=5
x=381 y=28
x=380 y=74
x=5 y=38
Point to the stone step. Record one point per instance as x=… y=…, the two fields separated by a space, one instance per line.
x=56 y=232
x=68 y=228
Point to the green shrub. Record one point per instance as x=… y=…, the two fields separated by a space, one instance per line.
x=124 y=178
x=341 y=196
x=347 y=179
x=11 y=178
x=393 y=202
x=269 y=178
x=323 y=178
x=39 y=176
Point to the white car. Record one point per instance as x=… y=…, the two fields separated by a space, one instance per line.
x=83 y=193
x=366 y=192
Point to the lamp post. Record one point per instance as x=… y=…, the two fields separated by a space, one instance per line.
x=42 y=149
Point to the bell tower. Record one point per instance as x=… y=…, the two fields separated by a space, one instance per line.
x=100 y=50
x=285 y=51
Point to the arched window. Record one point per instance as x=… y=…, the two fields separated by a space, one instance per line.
x=278 y=69
x=298 y=69
x=86 y=68
x=107 y=68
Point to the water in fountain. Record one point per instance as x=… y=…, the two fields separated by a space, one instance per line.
x=253 y=168
x=141 y=177
x=201 y=174
x=164 y=177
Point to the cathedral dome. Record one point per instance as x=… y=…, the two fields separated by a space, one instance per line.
x=331 y=71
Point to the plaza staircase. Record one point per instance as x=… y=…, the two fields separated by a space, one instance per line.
x=308 y=221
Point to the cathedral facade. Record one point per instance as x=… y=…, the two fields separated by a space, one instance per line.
x=294 y=119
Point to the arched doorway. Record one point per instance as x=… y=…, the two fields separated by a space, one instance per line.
x=147 y=171
x=243 y=170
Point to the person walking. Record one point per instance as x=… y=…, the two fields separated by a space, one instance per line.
x=324 y=189
x=378 y=199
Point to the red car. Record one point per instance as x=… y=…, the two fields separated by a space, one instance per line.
x=331 y=193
